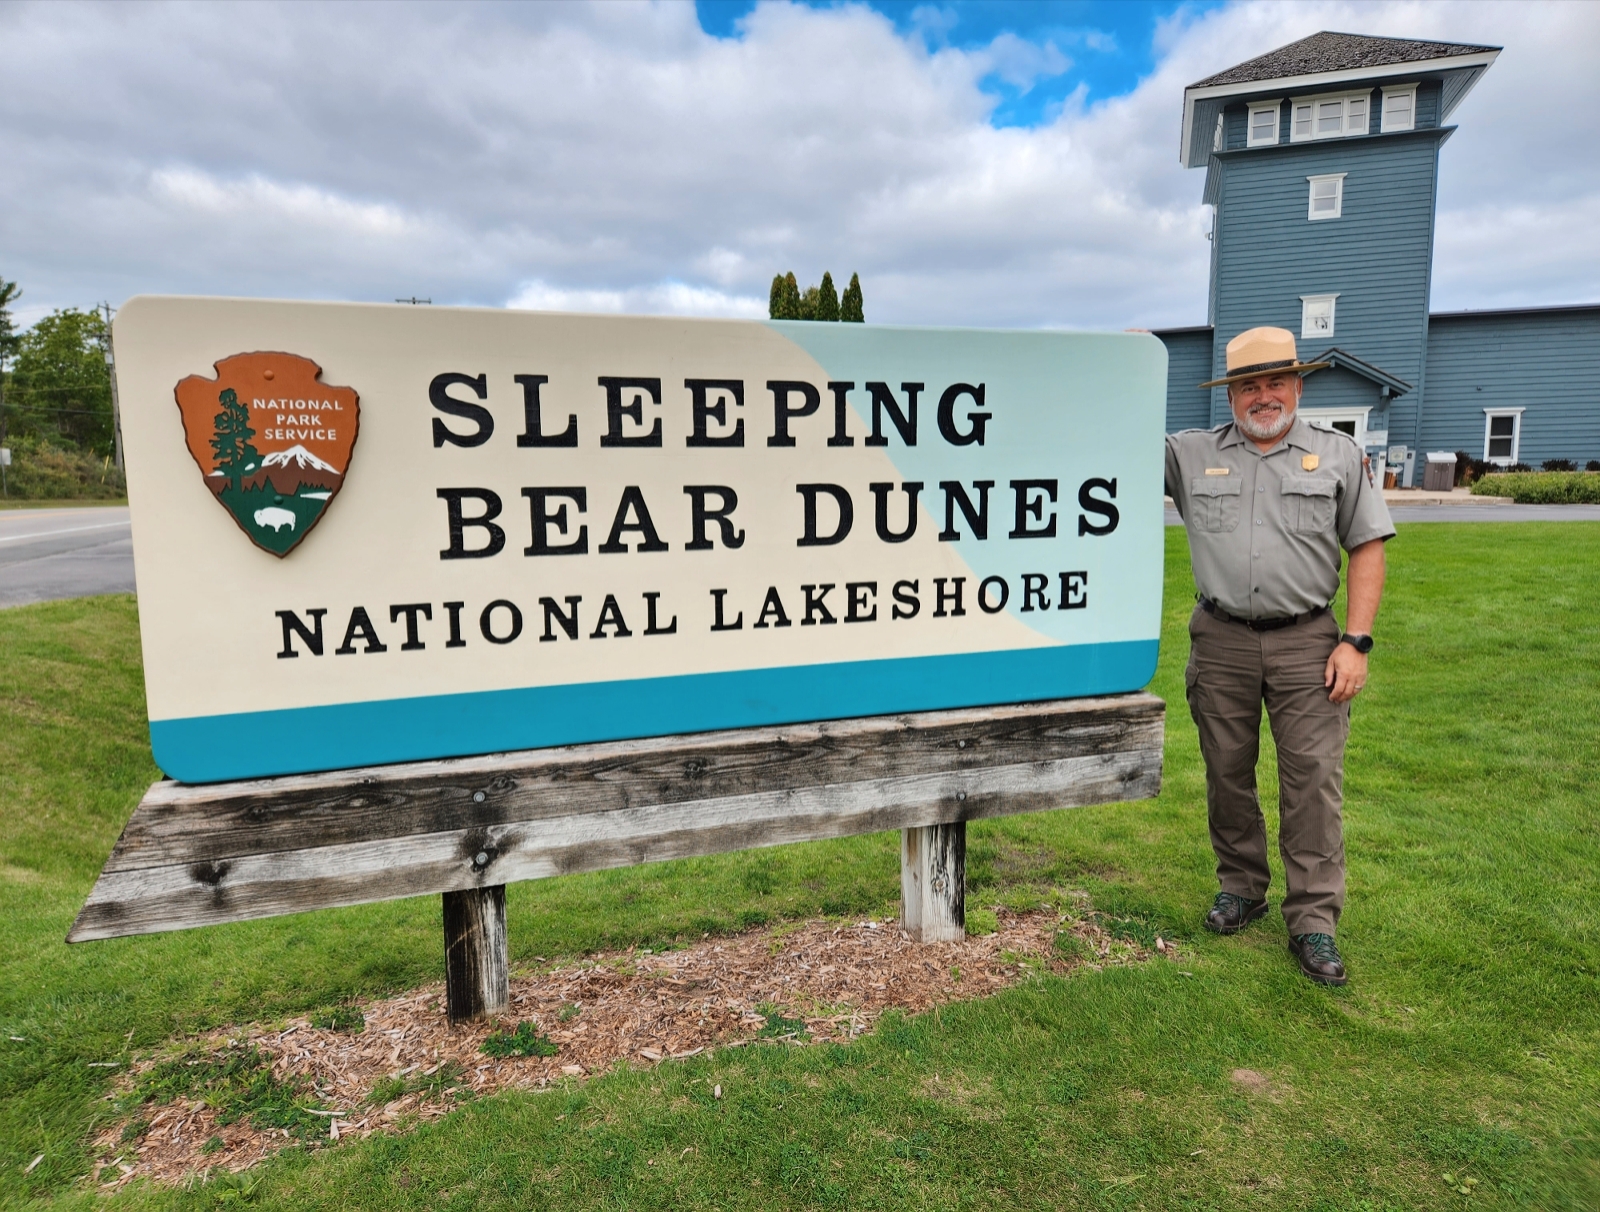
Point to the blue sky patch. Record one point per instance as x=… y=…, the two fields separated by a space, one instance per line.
x=1061 y=45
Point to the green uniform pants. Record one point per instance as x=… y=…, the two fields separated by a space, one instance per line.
x=1232 y=671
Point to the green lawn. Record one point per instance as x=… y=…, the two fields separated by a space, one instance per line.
x=1466 y=1043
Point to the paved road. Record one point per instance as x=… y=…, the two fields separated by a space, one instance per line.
x=63 y=553
x=1477 y=513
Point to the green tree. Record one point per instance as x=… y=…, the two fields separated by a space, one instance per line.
x=827 y=307
x=10 y=292
x=791 y=298
x=60 y=385
x=236 y=458
x=850 y=306
x=775 y=298
x=810 y=301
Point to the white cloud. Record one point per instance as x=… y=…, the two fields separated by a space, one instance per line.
x=615 y=157
x=256 y=198
x=662 y=299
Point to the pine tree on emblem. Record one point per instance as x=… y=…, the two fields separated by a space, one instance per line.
x=235 y=456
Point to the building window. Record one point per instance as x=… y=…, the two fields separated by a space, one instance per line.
x=1316 y=315
x=1334 y=117
x=1400 y=108
x=1327 y=196
x=1216 y=135
x=1502 y=435
x=1264 y=124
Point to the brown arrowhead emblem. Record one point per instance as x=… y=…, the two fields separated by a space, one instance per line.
x=272 y=440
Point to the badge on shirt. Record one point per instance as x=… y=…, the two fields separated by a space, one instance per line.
x=1309 y=462
x=1219 y=471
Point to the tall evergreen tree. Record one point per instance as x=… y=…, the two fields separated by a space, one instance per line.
x=827 y=300
x=236 y=457
x=850 y=306
x=775 y=298
x=791 y=298
x=810 y=302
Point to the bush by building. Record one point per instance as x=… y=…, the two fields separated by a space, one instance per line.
x=1542 y=487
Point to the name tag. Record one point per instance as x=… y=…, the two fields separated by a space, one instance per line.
x=1219 y=471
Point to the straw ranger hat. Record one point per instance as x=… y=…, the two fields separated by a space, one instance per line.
x=1263 y=351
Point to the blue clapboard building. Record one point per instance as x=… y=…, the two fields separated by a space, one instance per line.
x=1322 y=171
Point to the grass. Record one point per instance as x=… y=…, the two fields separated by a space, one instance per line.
x=1467 y=1045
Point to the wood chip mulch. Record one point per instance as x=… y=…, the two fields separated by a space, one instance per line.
x=631 y=1006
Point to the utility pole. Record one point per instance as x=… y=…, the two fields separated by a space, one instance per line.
x=414 y=301
x=116 y=410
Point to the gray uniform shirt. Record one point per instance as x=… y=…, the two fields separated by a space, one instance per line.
x=1265 y=528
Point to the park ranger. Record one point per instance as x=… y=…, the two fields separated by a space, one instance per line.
x=1268 y=500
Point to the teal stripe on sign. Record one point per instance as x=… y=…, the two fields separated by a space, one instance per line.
x=253 y=744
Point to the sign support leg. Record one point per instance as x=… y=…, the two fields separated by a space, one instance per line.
x=933 y=882
x=477 y=967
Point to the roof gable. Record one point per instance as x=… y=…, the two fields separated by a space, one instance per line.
x=1333 y=52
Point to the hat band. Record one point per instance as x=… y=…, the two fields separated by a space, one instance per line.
x=1260 y=368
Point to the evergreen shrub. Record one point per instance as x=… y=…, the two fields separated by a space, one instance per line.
x=1542 y=487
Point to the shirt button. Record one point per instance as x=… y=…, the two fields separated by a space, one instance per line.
x=1263 y=488
x=1258 y=521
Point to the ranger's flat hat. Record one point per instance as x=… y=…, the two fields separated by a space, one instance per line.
x=1263 y=351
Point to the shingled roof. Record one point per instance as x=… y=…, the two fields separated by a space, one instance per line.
x=1333 y=52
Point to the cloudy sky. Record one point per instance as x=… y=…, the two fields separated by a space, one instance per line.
x=992 y=164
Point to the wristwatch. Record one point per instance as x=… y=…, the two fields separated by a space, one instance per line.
x=1361 y=643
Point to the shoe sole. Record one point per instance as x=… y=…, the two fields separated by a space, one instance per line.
x=1256 y=914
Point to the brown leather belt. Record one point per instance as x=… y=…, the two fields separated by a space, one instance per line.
x=1211 y=608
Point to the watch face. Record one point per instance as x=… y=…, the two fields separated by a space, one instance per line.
x=1361 y=643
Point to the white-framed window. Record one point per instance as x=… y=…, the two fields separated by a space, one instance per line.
x=1352 y=421
x=1263 y=129
x=1316 y=315
x=1216 y=135
x=1329 y=117
x=1502 y=435
x=1327 y=196
x=1400 y=108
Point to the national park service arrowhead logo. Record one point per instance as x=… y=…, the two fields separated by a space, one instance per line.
x=272 y=441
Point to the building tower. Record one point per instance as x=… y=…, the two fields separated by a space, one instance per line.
x=1322 y=162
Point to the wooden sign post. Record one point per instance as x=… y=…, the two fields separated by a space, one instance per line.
x=202 y=855
x=437 y=599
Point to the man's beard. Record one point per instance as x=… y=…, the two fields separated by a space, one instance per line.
x=1262 y=432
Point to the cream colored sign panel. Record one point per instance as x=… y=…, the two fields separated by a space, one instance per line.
x=370 y=533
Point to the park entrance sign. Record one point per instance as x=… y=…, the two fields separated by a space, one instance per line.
x=471 y=531
x=434 y=600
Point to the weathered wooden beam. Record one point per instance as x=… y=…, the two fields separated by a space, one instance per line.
x=933 y=882
x=477 y=966
x=199 y=855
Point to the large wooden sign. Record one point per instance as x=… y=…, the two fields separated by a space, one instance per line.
x=374 y=534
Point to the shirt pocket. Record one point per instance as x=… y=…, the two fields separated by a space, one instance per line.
x=1214 y=501
x=1308 y=503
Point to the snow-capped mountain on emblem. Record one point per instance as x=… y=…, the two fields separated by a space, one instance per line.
x=272 y=441
x=299 y=456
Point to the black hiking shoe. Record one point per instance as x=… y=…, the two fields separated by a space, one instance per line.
x=1231 y=914
x=1319 y=958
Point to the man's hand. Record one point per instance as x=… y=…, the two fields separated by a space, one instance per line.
x=1346 y=673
